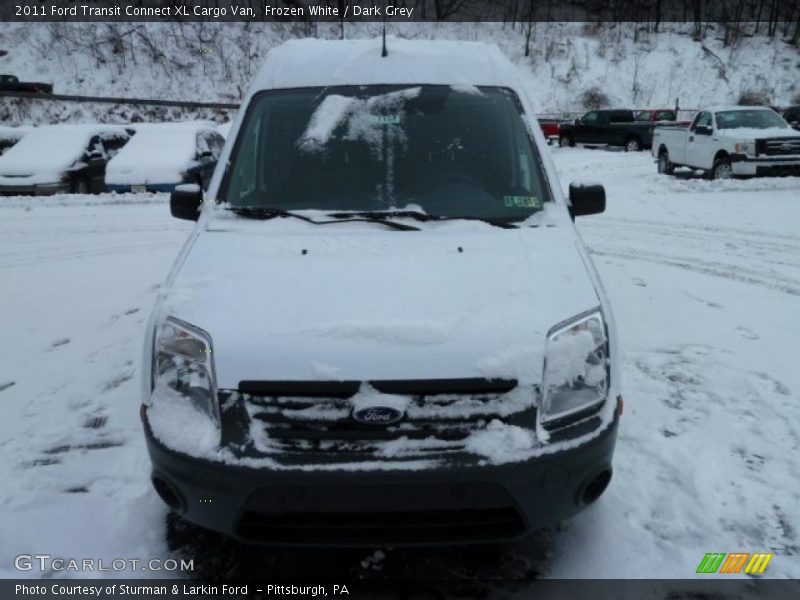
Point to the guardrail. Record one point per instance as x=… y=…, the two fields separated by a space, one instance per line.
x=109 y=100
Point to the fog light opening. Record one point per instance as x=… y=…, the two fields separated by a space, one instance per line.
x=167 y=493
x=596 y=486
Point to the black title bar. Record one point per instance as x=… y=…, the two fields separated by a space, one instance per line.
x=401 y=11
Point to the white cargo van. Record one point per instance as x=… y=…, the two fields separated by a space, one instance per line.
x=384 y=327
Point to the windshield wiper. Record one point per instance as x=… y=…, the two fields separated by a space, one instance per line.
x=265 y=213
x=419 y=216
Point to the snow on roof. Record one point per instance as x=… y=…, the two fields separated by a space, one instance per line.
x=722 y=108
x=319 y=63
x=158 y=153
x=50 y=149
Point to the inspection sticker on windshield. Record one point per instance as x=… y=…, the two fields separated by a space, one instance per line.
x=522 y=201
x=387 y=119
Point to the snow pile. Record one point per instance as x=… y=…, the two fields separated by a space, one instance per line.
x=157 y=154
x=44 y=153
x=182 y=426
x=502 y=443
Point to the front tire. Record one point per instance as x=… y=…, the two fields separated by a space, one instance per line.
x=665 y=167
x=80 y=186
x=722 y=169
x=566 y=140
x=633 y=145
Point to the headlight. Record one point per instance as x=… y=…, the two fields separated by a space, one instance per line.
x=576 y=371
x=744 y=148
x=183 y=367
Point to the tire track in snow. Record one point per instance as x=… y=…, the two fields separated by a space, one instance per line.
x=714 y=269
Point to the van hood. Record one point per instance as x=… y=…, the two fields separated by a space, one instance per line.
x=287 y=300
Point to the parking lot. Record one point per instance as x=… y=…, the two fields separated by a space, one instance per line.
x=704 y=280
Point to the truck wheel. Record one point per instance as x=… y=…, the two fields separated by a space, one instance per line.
x=633 y=145
x=664 y=166
x=566 y=140
x=721 y=169
x=80 y=186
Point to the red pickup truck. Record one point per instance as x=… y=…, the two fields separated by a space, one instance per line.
x=551 y=128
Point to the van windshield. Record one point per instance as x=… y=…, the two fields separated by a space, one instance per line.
x=449 y=151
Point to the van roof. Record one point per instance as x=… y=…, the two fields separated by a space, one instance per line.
x=322 y=63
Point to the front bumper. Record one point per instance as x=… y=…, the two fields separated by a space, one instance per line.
x=743 y=164
x=457 y=504
x=39 y=189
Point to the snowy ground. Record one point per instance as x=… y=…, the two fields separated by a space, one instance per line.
x=705 y=283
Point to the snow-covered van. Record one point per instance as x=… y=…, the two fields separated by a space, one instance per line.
x=727 y=141
x=384 y=327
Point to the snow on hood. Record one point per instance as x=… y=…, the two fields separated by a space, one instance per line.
x=158 y=153
x=754 y=133
x=280 y=298
x=44 y=153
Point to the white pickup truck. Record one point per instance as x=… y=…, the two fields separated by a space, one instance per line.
x=730 y=141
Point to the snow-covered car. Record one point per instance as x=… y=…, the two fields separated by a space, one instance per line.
x=61 y=158
x=10 y=136
x=384 y=327
x=726 y=141
x=163 y=155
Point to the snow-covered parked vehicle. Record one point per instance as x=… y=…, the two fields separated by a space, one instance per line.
x=384 y=327
x=730 y=141
x=163 y=155
x=10 y=136
x=61 y=158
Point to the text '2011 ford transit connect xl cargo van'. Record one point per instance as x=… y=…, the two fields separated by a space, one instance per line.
x=384 y=327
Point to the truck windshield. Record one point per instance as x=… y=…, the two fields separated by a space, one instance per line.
x=756 y=119
x=449 y=151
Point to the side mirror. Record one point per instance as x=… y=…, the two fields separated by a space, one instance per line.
x=586 y=199
x=185 y=201
x=205 y=154
x=702 y=130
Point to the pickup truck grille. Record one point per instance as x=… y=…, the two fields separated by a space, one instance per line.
x=434 y=424
x=778 y=146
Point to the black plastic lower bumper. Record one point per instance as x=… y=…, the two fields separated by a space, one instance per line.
x=457 y=504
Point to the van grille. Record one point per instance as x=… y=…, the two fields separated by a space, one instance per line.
x=439 y=418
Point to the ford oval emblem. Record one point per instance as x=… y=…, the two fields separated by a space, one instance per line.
x=377 y=415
